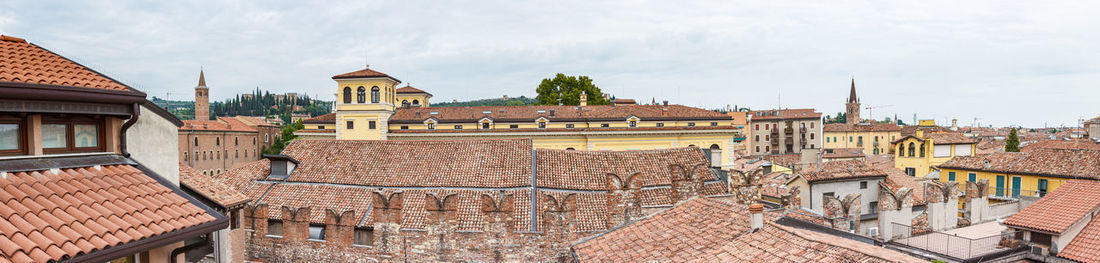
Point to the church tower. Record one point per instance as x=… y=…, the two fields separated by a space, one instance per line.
x=202 y=99
x=852 y=106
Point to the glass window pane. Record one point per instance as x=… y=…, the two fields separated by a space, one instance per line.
x=53 y=136
x=9 y=136
x=86 y=135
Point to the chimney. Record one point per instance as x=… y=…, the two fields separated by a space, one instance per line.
x=551 y=113
x=584 y=99
x=666 y=104
x=756 y=217
x=920 y=133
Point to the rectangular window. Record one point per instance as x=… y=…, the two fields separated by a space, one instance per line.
x=911 y=171
x=404 y=127
x=713 y=124
x=364 y=236
x=874 y=207
x=691 y=124
x=633 y=124
x=274 y=227
x=516 y=126
x=321 y=127
x=86 y=135
x=234 y=219
x=458 y=127
x=604 y=125
x=485 y=125
x=351 y=125
x=316 y=232
x=972 y=177
x=660 y=124
x=863 y=185
x=54 y=136
x=10 y=138
x=1042 y=187
x=372 y=125
x=951 y=176
x=542 y=125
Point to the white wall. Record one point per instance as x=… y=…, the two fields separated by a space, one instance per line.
x=154 y=141
x=843 y=188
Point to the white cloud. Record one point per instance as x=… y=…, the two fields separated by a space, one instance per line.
x=1005 y=62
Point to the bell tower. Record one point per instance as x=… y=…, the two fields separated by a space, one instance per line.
x=365 y=101
x=202 y=99
x=852 y=106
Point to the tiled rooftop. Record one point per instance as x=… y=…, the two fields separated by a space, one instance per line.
x=561 y=113
x=51 y=217
x=587 y=170
x=835 y=170
x=221 y=124
x=1061 y=144
x=409 y=89
x=23 y=62
x=784 y=114
x=364 y=73
x=1064 y=206
x=862 y=127
x=211 y=187
x=1085 y=247
x=1056 y=162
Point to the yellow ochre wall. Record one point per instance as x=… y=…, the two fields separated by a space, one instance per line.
x=836 y=140
x=423 y=98
x=1028 y=183
x=361 y=114
x=923 y=165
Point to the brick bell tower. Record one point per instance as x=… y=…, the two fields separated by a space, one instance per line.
x=202 y=99
x=852 y=106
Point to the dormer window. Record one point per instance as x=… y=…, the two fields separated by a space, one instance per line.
x=485 y=125
x=542 y=125
x=431 y=126
x=633 y=124
x=281 y=166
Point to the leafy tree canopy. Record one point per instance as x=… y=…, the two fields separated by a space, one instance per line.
x=566 y=90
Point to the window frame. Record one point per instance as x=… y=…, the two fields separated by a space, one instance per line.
x=361 y=95
x=271 y=222
x=70 y=130
x=355 y=240
x=375 y=95
x=21 y=130
x=322 y=235
x=349 y=125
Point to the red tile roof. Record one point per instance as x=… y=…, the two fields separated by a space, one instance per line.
x=896 y=179
x=588 y=170
x=254 y=121
x=221 y=124
x=1057 y=211
x=862 y=127
x=327 y=118
x=708 y=230
x=51 y=217
x=838 y=153
x=364 y=73
x=1061 y=144
x=1049 y=162
x=23 y=62
x=1086 y=246
x=838 y=170
x=409 y=89
x=784 y=114
x=211 y=187
x=561 y=113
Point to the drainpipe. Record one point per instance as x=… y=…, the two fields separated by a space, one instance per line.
x=184 y=249
x=126 y=126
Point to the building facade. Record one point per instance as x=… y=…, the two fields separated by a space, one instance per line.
x=1032 y=173
x=369 y=107
x=214 y=146
x=873 y=138
x=784 y=131
x=920 y=153
x=1092 y=128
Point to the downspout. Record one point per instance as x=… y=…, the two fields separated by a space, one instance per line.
x=184 y=249
x=126 y=126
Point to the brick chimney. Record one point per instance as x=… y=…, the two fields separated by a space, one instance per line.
x=584 y=99
x=756 y=216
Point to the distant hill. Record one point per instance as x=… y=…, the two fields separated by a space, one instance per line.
x=520 y=101
x=259 y=103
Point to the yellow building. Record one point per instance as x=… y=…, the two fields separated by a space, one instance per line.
x=873 y=138
x=1034 y=173
x=918 y=154
x=369 y=108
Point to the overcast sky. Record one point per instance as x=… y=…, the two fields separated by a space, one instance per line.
x=1030 y=63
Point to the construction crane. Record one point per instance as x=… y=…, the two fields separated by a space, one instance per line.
x=871 y=116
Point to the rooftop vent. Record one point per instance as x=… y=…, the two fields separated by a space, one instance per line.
x=434 y=113
x=281 y=166
x=540 y=111
x=486 y=112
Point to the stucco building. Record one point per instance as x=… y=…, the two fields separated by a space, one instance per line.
x=369 y=106
x=873 y=138
x=213 y=146
x=784 y=131
x=1092 y=127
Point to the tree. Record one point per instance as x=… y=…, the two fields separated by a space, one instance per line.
x=1012 y=144
x=284 y=138
x=566 y=90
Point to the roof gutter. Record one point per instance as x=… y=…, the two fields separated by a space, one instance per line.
x=30 y=91
x=126 y=126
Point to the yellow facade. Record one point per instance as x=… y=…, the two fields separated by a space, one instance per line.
x=920 y=161
x=414 y=99
x=926 y=123
x=1005 y=184
x=872 y=142
x=357 y=111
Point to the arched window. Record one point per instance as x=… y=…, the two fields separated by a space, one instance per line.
x=405 y=103
x=416 y=102
x=347 y=94
x=196 y=141
x=570 y=149
x=236 y=141
x=361 y=95
x=236 y=154
x=374 y=95
x=912 y=149
x=218 y=141
x=253 y=140
x=185 y=156
x=922 y=150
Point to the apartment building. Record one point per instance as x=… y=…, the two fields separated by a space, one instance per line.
x=784 y=131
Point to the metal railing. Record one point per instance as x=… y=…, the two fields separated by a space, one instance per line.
x=950 y=245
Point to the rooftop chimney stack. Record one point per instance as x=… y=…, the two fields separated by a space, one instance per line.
x=756 y=217
x=584 y=99
x=552 y=113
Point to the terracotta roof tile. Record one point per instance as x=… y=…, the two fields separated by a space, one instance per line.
x=364 y=73
x=221 y=124
x=104 y=212
x=784 y=114
x=1086 y=246
x=1061 y=144
x=409 y=89
x=588 y=170
x=862 y=127
x=211 y=187
x=327 y=118
x=1060 y=209
x=561 y=113
x=840 y=170
x=1056 y=162
x=23 y=62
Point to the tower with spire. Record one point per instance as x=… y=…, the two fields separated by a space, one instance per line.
x=202 y=99
x=852 y=113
